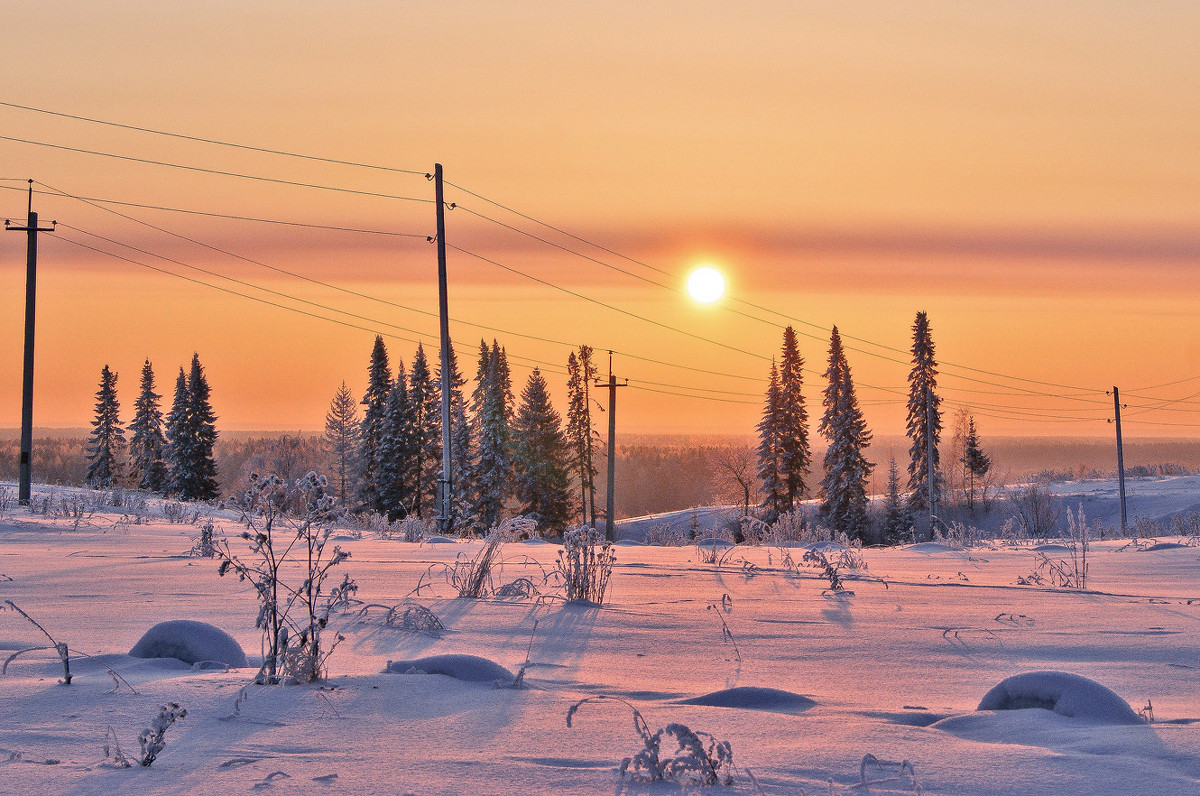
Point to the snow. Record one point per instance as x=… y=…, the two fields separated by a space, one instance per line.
x=468 y=668
x=1063 y=693
x=895 y=671
x=191 y=642
x=751 y=697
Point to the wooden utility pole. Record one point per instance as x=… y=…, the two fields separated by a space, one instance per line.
x=444 y=516
x=610 y=497
x=26 y=464
x=1120 y=458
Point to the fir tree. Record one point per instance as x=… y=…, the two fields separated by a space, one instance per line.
x=897 y=520
x=976 y=462
x=148 y=464
x=202 y=424
x=580 y=372
x=924 y=414
x=792 y=423
x=541 y=458
x=341 y=441
x=461 y=446
x=774 y=495
x=107 y=440
x=394 y=491
x=493 y=419
x=178 y=434
x=425 y=434
x=847 y=471
x=379 y=386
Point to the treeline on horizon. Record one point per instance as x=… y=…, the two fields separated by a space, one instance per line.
x=655 y=474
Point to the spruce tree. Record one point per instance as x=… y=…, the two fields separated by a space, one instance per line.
x=147 y=448
x=976 y=462
x=580 y=372
x=897 y=520
x=379 y=386
x=792 y=423
x=774 y=494
x=202 y=425
x=341 y=441
x=924 y=414
x=178 y=436
x=541 y=465
x=461 y=446
x=847 y=471
x=107 y=441
x=493 y=418
x=393 y=468
x=425 y=434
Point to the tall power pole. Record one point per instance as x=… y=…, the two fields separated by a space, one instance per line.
x=444 y=516
x=1120 y=458
x=610 y=505
x=32 y=229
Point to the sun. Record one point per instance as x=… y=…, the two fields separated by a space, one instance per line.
x=705 y=284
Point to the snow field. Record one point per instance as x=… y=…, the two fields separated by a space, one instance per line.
x=894 y=670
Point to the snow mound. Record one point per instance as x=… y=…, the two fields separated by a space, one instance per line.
x=190 y=642
x=1063 y=693
x=1164 y=546
x=440 y=540
x=750 y=697
x=469 y=668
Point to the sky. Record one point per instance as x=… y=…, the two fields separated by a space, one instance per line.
x=1026 y=173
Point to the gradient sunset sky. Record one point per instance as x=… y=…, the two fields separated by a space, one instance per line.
x=1027 y=173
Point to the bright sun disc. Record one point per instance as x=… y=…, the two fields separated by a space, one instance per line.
x=705 y=284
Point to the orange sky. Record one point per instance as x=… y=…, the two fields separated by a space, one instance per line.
x=1025 y=172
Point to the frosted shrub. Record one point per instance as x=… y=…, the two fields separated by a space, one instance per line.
x=666 y=536
x=292 y=612
x=699 y=761
x=585 y=564
x=152 y=739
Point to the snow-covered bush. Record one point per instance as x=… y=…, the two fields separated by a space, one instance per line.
x=585 y=564
x=292 y=613
x=698 y=761
x=152 y=739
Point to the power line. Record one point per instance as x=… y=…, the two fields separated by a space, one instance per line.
x=60 y=193
x=221 y=172
x=55 y=192
x=606 y=305
x=663 y=272
x=213 y=141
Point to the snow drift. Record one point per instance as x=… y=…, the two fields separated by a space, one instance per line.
x=191 y=642
x=1063 y=693
x=468 y=668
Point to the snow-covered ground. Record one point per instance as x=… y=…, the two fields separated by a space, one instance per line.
x=895 y=670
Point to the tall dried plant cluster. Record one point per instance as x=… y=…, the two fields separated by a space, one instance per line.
x=585 y=565
x=288 y=562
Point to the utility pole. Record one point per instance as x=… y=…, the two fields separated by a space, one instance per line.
x=612 y=385
x=1120 y=458
x=32 y=229
x=444 y=516
x=929 y=457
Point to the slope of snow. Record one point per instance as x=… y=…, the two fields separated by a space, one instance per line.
x=895 y=670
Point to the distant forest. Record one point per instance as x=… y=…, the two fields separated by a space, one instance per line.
x=653 y=473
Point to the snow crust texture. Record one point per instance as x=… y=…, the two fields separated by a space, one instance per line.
x=1066 y=694
x=468 y=668
x=191 y=642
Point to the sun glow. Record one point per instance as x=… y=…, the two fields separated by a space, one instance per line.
x=705 y=284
